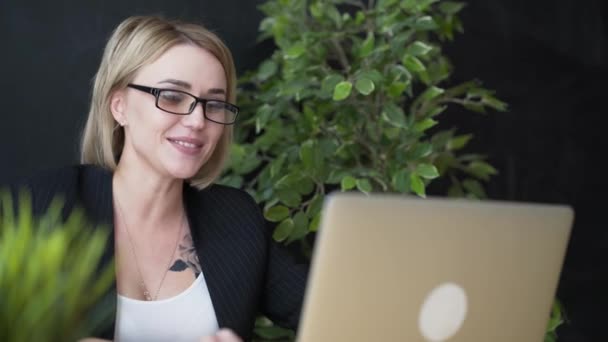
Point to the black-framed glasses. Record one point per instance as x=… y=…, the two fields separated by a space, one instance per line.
x=182 y=103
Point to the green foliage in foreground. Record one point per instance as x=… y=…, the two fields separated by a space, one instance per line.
x=49 y=281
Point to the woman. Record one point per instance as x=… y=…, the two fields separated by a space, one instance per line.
x=191 y=257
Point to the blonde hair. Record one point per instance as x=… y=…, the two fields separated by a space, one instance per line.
x=138 y=41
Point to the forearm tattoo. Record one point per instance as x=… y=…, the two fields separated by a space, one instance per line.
x=187 y=257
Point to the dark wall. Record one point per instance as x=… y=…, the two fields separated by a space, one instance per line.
x=547 y=59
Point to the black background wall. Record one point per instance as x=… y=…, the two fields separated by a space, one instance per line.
x=547 y=59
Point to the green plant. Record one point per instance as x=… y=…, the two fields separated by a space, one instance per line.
x=351 y=99
x=48 y=282
x=555 y=320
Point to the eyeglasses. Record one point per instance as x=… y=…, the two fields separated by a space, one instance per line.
x=182 y=103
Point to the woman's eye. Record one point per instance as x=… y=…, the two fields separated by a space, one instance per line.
x=172 y=96
x=215 y=106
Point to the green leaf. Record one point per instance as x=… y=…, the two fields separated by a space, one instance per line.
x=373 y=74
x=273 y=333
x=431 y=93
x=419 y=48
x=365 y=86
x=290 y=197
x=493 y=102
x=451 y=7
x=232 y=180
x=314 y=224
x=263 y=114
x=401 y=181
x=332 y=12
x=315 y=205
x=425 y=23
x=424 y=125
x=421 y=150
x=276 y=213
x=455 y=190
x=386 y=3
x=283 y=230
x=482 y=169
x=306 y=154
x=364 y=185
x=427 y=171
x=440 y=139
x=394 y=115
x=305 y=186
x=287 y=181
x=300 y=221
x=316 y=10
x=295 y=50
x=396 y=89
x=359 y=18
x=474 y=187
x=276 y=165
x=474 y=106
x=412 y=63
x=556 y=318
x=367 y=46
x=417 y=185
x=266 y=70
x=348 y=183
x=335 y=176
x=459 y=142
x=434 y=111
x=342 y=90
x=329 y=83
x=416 y=5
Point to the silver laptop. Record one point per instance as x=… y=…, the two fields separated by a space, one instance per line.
x=398 y=268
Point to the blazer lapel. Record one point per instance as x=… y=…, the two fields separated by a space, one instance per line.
x=213 y=257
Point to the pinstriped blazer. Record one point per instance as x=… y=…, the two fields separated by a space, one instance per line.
x=246 y=272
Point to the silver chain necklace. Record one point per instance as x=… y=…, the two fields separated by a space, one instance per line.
x=146 y=293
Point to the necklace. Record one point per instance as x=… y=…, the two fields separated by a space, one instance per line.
x=146 y=293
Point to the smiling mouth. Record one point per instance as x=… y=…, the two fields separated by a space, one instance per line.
x=187 y=147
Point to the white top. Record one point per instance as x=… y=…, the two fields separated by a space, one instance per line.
x=185 y=317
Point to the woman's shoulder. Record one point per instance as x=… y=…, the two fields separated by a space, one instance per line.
x=227 y=205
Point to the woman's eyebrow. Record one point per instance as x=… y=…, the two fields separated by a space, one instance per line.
x=218 y=91
x=188 y=86
x=178 y=83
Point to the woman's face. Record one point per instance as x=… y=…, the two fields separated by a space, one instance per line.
x=174 y=146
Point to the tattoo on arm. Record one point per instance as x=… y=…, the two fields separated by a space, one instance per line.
x=187 y=257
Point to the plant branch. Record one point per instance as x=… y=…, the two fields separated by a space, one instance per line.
x=341 y=55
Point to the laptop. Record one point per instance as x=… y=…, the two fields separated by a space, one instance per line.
x=399 y=268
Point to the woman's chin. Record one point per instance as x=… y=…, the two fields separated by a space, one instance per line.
x=183 y=172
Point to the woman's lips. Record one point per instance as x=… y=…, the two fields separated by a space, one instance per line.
x=187 y=146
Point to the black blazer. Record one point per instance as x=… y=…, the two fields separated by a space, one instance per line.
x=246 y=272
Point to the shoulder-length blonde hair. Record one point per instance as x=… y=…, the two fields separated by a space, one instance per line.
x=138 y=41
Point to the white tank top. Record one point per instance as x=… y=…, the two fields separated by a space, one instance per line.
x=185 y=317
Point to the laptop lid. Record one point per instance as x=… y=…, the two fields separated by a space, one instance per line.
x=399 y=268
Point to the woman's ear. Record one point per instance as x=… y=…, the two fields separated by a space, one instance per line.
x=117 y=107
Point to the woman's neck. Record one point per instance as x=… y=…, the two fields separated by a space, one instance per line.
x=146 y=197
